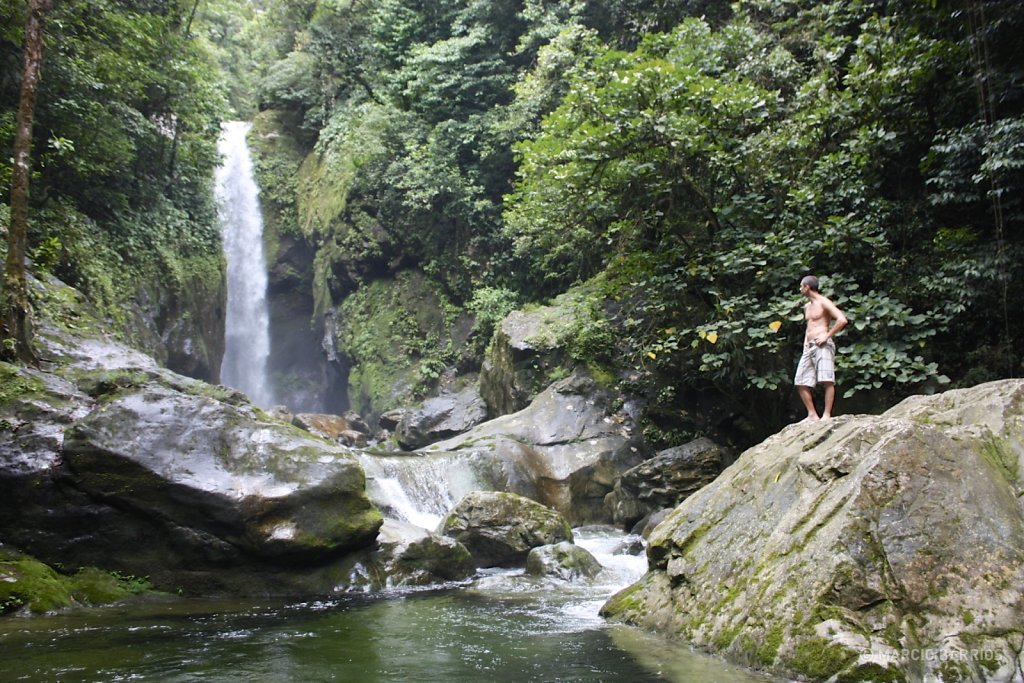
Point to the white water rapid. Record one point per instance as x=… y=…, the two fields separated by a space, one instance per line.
x=247 y=334
x=418 y=489
x=421 y=489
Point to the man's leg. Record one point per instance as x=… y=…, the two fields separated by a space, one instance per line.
x=808 y=398
x=830 y=399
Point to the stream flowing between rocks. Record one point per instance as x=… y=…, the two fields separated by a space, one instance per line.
x=501 y=626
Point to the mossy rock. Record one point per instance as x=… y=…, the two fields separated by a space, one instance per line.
x=852 y=548
x=537 y=345
x=15 y=382
x=398 y=335
x=27 y=583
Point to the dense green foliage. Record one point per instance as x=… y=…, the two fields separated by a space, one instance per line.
x=709 y=169
x=700 y=156
x=691 y=159
x=125 y=132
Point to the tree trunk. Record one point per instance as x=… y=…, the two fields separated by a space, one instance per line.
x=14 y=302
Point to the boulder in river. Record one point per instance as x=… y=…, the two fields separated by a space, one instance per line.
x=500 y=528
x=566 y=449
x=564 y=560
x=666 y=480
x=407 y=556
x=883 y=547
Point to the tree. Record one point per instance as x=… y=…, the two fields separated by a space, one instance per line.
x=14 y=302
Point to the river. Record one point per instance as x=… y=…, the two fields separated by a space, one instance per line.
x=501 y=626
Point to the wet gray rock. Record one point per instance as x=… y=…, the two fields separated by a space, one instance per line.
x=108 y=460
x=566 y=449
x=865 y=547
x=410 y=556
x=565 y=561
x=440 y=417
x=666 y=480
x=212 y=468
x=499 y=529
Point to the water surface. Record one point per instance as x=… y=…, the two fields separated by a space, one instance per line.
x=503 y=626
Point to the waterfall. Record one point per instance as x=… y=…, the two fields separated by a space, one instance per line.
x=418 y=489
x=247 y=334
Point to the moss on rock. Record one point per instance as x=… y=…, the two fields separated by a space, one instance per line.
x=27 y=583
x=398 y=333
x=820 y=658
x=843 y=548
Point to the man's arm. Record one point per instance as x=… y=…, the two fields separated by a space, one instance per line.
x=838 y=317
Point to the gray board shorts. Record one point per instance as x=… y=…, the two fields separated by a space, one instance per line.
x=817 y=364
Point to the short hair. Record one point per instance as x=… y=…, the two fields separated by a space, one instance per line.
x=811 y=282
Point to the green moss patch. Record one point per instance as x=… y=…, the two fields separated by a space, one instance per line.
x=819 y=658
x=14 y=383
x=27 y=583
x=396 y=334
x=105 y=382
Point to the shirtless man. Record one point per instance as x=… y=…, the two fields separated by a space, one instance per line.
x=817 y=364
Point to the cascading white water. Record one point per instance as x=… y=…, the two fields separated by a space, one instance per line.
x=421 y=489
x=247 y=334
x=418 y=489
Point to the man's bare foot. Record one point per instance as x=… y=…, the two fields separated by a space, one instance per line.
x=826 y=417
x=810 y=418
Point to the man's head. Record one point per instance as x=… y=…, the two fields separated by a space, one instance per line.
x=810 y=282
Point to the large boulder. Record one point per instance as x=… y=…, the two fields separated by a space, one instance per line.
x=566 y=449
x=868 y=548
x=440 y=417
x=526 y=349
x=408 y=556
x=564 y=561
x=499 y=529
x=108 y=460
x=666 y=480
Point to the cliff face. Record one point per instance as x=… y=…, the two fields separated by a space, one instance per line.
x=179 y=321
x=883 y=547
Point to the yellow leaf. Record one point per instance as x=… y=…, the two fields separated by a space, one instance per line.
x=712 y=337
x=652 y=355
x=775 y=325
x=702 y=334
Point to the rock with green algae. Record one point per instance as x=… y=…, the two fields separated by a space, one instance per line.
x=26 y=584
x=564 y=561
x=528 y=350
x=863 y=548
x=499 y=529
x=400 y=335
